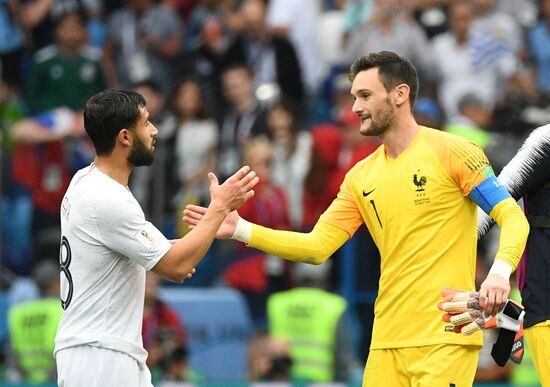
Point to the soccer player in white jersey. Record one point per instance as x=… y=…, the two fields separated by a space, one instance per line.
x=107 y=246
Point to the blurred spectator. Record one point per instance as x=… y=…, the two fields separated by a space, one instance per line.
x=298 y=22
x=243 y=119
x=177 y=367
x=95 y=25
x=184 y=7
x=524 y=12
x=62 y=77
x=391 y=27
x=323 y=178
x=149 y=185
x=16 y=204
x=472 y=121
x=492 y=23
x=428 y=113
x=204 y=62
x=12 y=40
x=431 y=15
x=192 y=149
x=312 y=321
x=47 y=146
x=33 y=325
x=252 y=272
x=67 y=72
x=272 y=58
x=40 y=18
x=145 y=48
x=452 y=59
x=539 y=45
x=356 y=14
x=291 y=155
x=331 y=35
x=268 y=359
x=162 y=330
x=495 y=42
x=203 y=13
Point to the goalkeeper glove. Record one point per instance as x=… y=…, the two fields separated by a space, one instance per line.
x=465 y=314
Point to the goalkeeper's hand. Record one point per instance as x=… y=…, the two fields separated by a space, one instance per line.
x=465 y=313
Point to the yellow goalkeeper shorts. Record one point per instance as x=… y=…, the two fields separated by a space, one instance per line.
x=441 y=365
x=538 y=342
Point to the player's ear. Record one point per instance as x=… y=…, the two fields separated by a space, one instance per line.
x=124 y=137
x=402 y=93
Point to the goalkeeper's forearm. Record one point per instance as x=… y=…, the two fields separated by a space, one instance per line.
x=313 y=247
x=514 y=230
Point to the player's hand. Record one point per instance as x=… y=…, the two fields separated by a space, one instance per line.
x=236 y=190
x=190 y=274
x=464 y=311
x=193 y=214
x=493 y=294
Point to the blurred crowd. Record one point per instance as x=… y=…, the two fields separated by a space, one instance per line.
x=257 y=82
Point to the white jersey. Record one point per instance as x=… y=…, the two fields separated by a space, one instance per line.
x=107 y=245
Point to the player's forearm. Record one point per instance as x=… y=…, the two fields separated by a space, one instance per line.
x=187 y=252
x=313 y=247
x=514 y=230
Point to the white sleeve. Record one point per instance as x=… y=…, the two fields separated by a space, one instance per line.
x=123 y=228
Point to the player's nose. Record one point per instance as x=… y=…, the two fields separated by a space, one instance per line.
x=357 y=108
x=154 y=130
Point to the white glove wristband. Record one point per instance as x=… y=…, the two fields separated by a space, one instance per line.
x=507 y=322
x=501 y=268
x=243 y=231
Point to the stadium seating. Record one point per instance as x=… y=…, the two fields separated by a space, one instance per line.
x=218 y=325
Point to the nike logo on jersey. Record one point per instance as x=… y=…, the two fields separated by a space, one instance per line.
x=365 y=194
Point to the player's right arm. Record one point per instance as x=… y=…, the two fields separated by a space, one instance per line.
x=187 y=252
x=333 y=229
x=313 y=247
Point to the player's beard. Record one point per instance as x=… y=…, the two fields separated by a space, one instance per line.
x=382 y=121
x=139 y=154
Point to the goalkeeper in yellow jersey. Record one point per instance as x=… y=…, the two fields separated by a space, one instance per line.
x=417 y=194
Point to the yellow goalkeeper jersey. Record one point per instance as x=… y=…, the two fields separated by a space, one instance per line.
x=417 y=209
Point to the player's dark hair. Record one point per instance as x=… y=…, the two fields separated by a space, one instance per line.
x=393 y=70
x=107 y=113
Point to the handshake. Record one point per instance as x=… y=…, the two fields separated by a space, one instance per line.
x=466 y=316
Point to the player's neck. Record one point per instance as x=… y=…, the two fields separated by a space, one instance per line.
x=398 y=138
x=115 y=167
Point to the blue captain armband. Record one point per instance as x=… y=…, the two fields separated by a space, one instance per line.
x=489 y=193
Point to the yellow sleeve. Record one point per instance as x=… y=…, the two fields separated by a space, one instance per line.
x=514 y=230
x=313 y=247
x=465 y=162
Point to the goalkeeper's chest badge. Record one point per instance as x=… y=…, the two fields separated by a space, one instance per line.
x=420 y=182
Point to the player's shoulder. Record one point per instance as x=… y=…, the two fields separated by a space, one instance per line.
x=94 y=184
x=444 y=141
